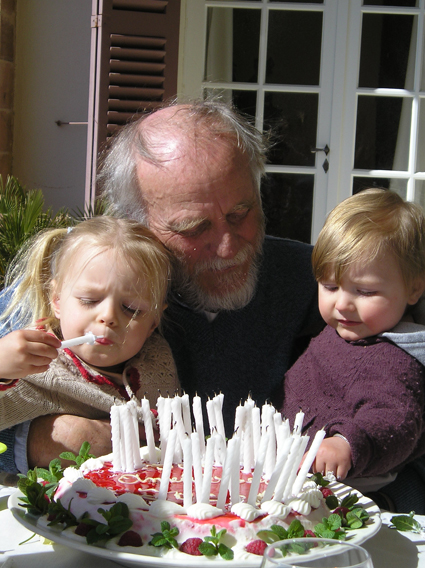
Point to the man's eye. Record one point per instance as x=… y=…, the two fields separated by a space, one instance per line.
x=237 y=216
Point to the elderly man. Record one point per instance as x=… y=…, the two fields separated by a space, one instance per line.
x=242 y=304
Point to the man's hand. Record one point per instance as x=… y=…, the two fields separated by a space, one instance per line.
x=26 y=352
x=51 y=435
x=334 y=455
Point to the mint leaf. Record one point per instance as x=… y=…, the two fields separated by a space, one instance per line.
x=406 y=523
x=166 y=537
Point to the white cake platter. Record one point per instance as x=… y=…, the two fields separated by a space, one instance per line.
x=132 y=560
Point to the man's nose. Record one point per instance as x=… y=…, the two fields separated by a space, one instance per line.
x=226 y=244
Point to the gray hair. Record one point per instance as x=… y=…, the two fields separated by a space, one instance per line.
x=117 y=177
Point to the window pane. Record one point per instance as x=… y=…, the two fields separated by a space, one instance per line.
x=388 y=45
x=292 y=119
x=233 y=38
x=245 y=101
x=403 y=3
x=420 y=192
x=298 y=1
x=288 y=205
x=294 y=47
x=382 y=133
x=397 y=185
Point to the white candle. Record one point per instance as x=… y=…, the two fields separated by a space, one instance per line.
x=309 y=459
x=256 y=429
x=225 y=476
x=211 y=416
x=186 y=414
x=239 y=420
x=293 y=473
x=280 y=462
x=187 y=472
x=135 y=438
x=147 y=419
x=176 y=407
x=248 y=446
x=199 y=422
x=284 y=475
x=208 y=468
x=127 y=438
x=197 y=466
x=235 y=472
x=165 y=427
x=168 y=464
x=258 y=471
x=298 y=423
x=218 y=410
x=116 y=439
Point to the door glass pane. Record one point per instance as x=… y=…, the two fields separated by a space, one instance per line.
x=388 y=51
x=420 y=192
x=397 y=185
x=420 y=157
x=288 y=205
x=382 y=133
x=245 y=101
x=294 y=47
x=292 y=119
x=403 y=3
x=233 y=38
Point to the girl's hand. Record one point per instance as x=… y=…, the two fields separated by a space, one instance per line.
x=26 y=352
x=334 y=455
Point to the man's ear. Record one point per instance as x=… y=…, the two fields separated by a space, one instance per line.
x=55 y=300
x=417 y=289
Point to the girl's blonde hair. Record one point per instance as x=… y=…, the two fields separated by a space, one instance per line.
x=369 y=224
x=44 y=263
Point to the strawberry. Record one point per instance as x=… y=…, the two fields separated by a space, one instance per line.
x=130 y=538
x=326 y=492
x=82 y=529
x=341 y=511
x=191 y=546
x=308 y=533
x=256 y=547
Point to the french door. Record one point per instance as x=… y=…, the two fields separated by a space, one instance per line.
x=338 y=84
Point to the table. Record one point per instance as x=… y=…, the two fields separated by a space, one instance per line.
x=389 y=548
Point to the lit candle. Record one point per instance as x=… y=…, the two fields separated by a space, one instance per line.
x=208 y=468
x=258 y=471
x=309 y=459
x=199 y=422
x=197 y=466
x=168 y=464
x=147 y=419
x=225 y=476
x=187 y=472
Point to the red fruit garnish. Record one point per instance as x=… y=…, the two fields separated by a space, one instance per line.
x=130 y=538
x=82 y=529
x=256 y=547
x=326 y=492
x=309 y=533
x=341 y=511
x=191 y=546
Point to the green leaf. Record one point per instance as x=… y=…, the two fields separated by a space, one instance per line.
x=406 y=523
x=350 y=500
x=207 y=549
x=269 y=536
x=319 y=480
x=295 y=529
x=225 y=552
x=332 y=502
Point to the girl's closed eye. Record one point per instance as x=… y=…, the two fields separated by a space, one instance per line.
x=88 y=302
x=134 y=312
x=367 y=292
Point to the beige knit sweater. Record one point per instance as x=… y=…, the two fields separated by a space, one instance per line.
x=70 y=386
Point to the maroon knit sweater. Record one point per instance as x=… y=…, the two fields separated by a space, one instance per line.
x=370 y=391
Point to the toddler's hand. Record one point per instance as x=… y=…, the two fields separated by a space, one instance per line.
x=334 y=455
x=26 y=352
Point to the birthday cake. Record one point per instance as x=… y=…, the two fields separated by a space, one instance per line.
x=188 y=499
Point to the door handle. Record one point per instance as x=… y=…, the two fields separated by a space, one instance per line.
x=326 y=150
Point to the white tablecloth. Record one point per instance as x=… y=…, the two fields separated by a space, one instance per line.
x=389 y=548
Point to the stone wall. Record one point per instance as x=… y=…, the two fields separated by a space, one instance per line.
x=7 y=76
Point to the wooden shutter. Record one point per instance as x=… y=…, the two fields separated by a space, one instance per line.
x=134 y=64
